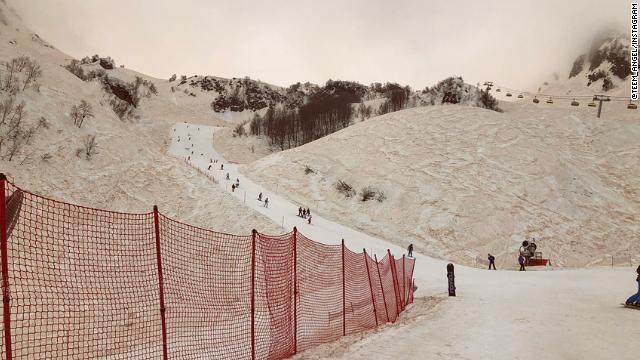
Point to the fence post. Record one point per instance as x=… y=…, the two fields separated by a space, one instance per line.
x=6 y=296
x=344 y=307
x=295 y=290
x=373 y=299
x=404 y=285
x=253 y=299
x=156 y=224
x=384 y=300
x=394 y=275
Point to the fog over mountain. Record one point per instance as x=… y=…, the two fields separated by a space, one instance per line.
x=283 y=42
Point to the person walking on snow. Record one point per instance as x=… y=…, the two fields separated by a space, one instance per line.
x=309 y=219
x=410 y=250
x=635 y=299
x=300 y=211
x=266 y=202
x=492 y=261
x=521 y=262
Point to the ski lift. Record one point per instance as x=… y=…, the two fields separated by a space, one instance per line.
x=508 y=94
x=592 y=104
x=535 y=100
x=632 y=106
x=520 y=96
x=575 y=103
x=550 y=101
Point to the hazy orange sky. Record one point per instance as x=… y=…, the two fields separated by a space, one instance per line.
x=514 y=43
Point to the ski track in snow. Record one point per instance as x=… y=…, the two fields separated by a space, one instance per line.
x=564 y=314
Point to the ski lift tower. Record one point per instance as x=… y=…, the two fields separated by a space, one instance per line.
x=600 y=99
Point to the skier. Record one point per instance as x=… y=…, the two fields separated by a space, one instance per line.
x=521 y=262
x=260 y=197
x=410 y=250
x=209 y=168
x=221 y=166
x=227 y=176
x=266 y=202
x=635 y=299
x=300 y=211
x=237 y=182
x=233 y=187
x=309 y=219
x=492 y=261
x=308 y=212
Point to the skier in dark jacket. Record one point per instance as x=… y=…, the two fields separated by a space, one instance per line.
x=521 y=262
x=410 y=250
x=492 y=261
x=635 y=299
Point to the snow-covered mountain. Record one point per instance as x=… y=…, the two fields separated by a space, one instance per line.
x=603 y=68
x=126 y=167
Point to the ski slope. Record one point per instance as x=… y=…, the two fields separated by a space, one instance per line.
x=557 y=314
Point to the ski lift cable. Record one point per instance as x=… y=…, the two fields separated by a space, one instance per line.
x=557 y=96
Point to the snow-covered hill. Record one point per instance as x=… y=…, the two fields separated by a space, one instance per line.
x=460 y=182
x=130 y=170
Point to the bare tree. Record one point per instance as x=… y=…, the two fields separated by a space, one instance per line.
x=32 y=74
x=9 y=79
x=13 y=132
x=80 y=112
x=90 y=146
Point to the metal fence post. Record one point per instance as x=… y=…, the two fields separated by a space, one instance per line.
x=384 y=299
x=404 y=284
x=156 y=223
x=344 y=303
x=6 y=295
x=295 y=290
x=373 y=299
x=394 y=275
x=253 y=295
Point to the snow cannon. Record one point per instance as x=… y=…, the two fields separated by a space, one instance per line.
x=532 y=257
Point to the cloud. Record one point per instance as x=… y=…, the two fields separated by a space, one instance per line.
x=515 y=43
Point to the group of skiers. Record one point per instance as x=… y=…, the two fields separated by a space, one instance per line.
x=304 y=213
x=234 y=186
x=492 y=262
x=266 y=200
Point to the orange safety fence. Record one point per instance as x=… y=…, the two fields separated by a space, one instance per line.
x=84 y=283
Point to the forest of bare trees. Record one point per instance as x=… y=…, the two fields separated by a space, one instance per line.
x=326 y=111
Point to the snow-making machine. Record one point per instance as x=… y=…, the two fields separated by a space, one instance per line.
x=531 y=255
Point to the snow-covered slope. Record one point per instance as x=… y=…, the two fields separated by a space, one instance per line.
x=461 y=182
x=496 y=314
x=130 y=171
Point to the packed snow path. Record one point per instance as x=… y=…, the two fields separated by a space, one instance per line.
x=567 y=314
